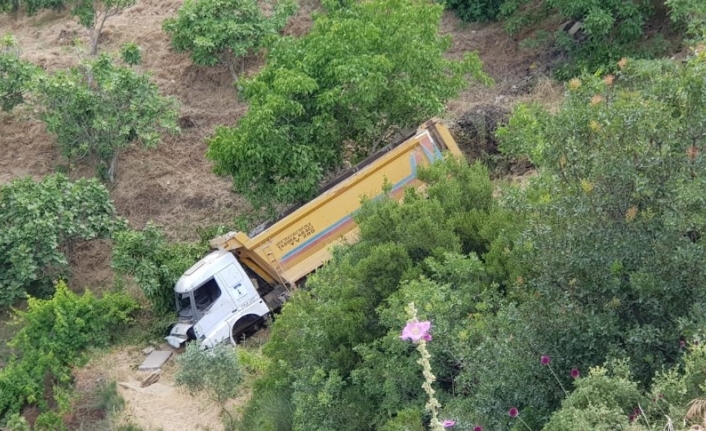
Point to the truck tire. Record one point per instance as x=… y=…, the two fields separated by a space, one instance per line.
x=244 y=325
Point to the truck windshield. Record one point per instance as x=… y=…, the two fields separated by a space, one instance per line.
x=192 y=305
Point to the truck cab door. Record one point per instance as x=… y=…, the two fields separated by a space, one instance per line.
x=218 y=311
x=239 y=287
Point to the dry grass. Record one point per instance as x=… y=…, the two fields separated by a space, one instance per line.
x=546 y=92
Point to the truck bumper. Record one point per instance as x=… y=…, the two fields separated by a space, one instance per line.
x=178 y=335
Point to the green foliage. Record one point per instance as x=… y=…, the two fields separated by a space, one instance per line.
x=155 y=263
x=615 y=230
x=131 y=53
x=215 y=371
x=600 y=402
x=98 y=109
x=93 y=14
x=361 y=376
x=691 y=13
x=15 y=74
x=609 y=30
x=51 y=339
x=475 y=10
x=40 y=222
x=338 y=92
x=222 y=31
x=31 y=6
x=15 y=422
x=50 y=421
x=609 y=400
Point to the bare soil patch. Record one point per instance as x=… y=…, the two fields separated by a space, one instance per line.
x=160 y=406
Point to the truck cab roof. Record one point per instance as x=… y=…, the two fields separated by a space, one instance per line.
x=203 y=270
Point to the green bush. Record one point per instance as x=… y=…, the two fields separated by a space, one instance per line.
x=601 y=402
x=224 y=31
x=52 y=336
x=360 y=375
x=155 y=263
x=613 y=255
x=98 y=109
x=363 y=72
x=609 y=30
x=15 y=74
x=475 y=10
x=131 y=53
x=31 y=6
x=215 y=371
x=41 y=221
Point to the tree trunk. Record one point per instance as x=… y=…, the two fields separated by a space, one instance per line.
x=111 y=169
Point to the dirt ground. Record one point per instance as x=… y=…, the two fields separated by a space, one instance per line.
x=174 y=184
x=162 y=405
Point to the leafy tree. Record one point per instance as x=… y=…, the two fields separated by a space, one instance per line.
x=93 y=14
x=225 y=31
x=98 y=109
x=15 y=74
x=614 y=248
x=216 y=371
x=40 y=221
x=361 y=73
x=52 y=336
x=155 y=263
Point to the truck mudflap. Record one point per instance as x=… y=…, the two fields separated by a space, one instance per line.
x=178 y=334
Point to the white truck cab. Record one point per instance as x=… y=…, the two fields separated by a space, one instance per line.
x=216 y=301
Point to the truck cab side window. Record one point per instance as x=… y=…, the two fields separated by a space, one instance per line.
x=206 y=295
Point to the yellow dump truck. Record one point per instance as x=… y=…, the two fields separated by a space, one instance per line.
x=248 y=276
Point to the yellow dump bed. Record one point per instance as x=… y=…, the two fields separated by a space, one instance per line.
x=300 y=242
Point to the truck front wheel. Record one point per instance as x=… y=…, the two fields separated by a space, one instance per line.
x=244 y=326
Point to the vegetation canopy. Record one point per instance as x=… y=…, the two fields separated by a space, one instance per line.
x=40 y=221
x=364 y=71
x=98 y=109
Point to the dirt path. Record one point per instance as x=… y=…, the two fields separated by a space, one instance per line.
x=159 y=406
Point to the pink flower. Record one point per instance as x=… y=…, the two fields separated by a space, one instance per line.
x=545 y=360
x=575 y=373
x=631 y=418
x=448 y=423
x=478 y=428
x=513 y=412
x=415 y=331
x=682 y=344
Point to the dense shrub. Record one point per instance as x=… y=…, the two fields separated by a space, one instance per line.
x=40 y=222
x=364 y=71
x=439 y=252
x=475 y=10
x=225 y=31
x=52 y=336
x=614 y=254
x=215 y=371
x=155 y=263
x=15 y=74
x=98 y=109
